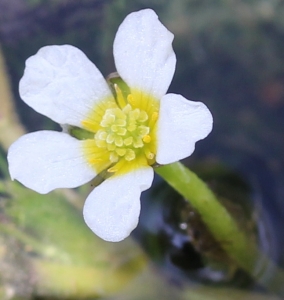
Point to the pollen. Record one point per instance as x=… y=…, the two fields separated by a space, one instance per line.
x=125 y=132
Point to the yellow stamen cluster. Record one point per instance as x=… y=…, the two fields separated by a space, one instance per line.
x=124 y=132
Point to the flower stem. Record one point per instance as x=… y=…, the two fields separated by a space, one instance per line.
x=221 y=224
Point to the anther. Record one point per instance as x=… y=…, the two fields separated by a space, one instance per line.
x=134 y=114
x=138 y=143
x=130 y=155
x=110 y=138
x=143 y=130
x=121 y=131
x=125 y=132
x=128 y=141
x=101 y=135
x=107 y=119
x=143 y=116
x=112 y=170
x=146 y=139
x=131 y=127
x=154 y=116
x=127 y=109
x=118 y=141
x=100 y=143
x=149 y=154
x=120 y=122
x=111 y=147
x=120 y=151
x=131 y=99
x=113 y=157
x=95 y=160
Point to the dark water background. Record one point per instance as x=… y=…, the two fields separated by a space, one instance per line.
x=230 y=55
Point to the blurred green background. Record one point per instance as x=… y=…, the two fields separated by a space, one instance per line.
x=230 y=55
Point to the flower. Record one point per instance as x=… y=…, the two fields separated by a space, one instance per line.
x=126 y=131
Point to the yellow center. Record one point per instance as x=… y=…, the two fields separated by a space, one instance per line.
x=124 y=132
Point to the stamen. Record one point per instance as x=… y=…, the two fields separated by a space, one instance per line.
x=138 y=143
x=127 y=109
x=146 y=139
x=111 y=147
x=153 y=119
x=149 y=154
x=121 y=131
x=107 y=119
x=113 y=128
x=100 y=143
x=112 y=170
x=143 y=130
x=128 y=141
x=95 y=160
x=125 y=132
x=113 y=157
x=110 y=138
x=120 y=151
x=154 y=116
x=120 y=122
x=143 y=117
x=119 y=165
x=118 y=141
x=102 y=135
x=134 y=114
x=131 y=100
x=131 y=127
x=130 y=155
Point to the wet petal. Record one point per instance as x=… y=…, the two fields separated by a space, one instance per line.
x=181 y=124
x=61 y=83
x=46 y=160
x=143 y=53
x=112 y=209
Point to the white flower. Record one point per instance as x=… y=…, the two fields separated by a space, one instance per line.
x=127 y=135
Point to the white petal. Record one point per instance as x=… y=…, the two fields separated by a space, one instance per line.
x=112 y=209
x=143 y=53
x=46 y=160
x=181 y=124
x=61 y=83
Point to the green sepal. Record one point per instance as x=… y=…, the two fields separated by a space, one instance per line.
x=114 y=79
x=80 y=133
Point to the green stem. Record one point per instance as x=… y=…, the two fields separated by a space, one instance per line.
x=221 y=224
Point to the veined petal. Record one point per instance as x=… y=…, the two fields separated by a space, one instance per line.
x=143 y=53
x=46 y=160
x=181 y=124
x=61 y=83
x=112 y=209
